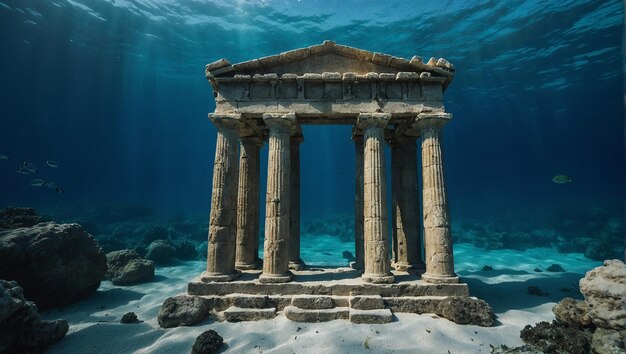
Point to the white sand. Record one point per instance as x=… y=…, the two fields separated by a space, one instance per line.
x=95 y=327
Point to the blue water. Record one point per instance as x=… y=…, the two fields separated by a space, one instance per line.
x=115 y=92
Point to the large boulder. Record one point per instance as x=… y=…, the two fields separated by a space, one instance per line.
x=161 y=252
x=13 y=218
x=183 y=311
x=466 y=310
x=572 y=312
x=557 y=338
x=604 y=289
x=126 y=267
x=56 y=264
x=21 y=327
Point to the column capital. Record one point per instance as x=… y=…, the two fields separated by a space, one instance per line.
x=431 y=120
x=368 y=120
x=284 y=120
x=222 y=121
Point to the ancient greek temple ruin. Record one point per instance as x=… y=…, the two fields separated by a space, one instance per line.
x=386 y=100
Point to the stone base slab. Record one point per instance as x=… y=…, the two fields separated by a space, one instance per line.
x=322 y=315
x=237 y=314
x=371 y=302
x=342 y=281
x=309 y=302
x=370 y=316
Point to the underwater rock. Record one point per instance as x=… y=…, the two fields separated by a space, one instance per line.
x=21 y=327
x=56 y=264
x=572 y=312
x=555 y=268
x=110 y=244
x=129 y=317
x=126 y=267
x=607 y=341
x=183 y=310
x=207 y=342
x=555 y=338
x=161 y=251
x=604 y=288
x=13 y=218
x=466 y=310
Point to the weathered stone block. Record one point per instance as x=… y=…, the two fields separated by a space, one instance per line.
x=370 y=316
x=237 y=314
x=301 y=315
x=260 y=90
x=253 y=301
x=313 y=90
x=312 y=302
x=367 y=302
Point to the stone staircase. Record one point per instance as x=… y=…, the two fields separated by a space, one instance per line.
x=321 y=308
x=250 y=308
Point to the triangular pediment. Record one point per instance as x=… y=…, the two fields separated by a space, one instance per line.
x=329 y=57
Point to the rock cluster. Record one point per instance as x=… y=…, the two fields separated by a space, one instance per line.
x=126 y=267
x=56 y=264
x=21 y=327
x=183 y=311
x=13 y=218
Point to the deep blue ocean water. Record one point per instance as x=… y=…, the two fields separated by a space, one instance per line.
x=114 y=91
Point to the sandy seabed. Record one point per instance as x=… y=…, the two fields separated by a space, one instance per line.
x=95 y=327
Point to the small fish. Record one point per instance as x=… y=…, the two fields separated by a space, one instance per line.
x=52 y=164
x=29 y=166
x=23 y=171
x=51 y=185
x=561 y=179
x=38 y=182
x=4 y=157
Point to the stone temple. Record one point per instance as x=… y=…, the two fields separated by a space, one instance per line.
x=386 y=99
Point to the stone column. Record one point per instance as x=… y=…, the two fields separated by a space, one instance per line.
x=295 y=262
x=437 y=237
x=375 y=230
x=407 y=248
x=277 y=229
x=358 y=205
x=248 y=200
x=223 y=219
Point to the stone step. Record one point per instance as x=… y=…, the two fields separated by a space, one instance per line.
x=237 y=314
x=253 y=301
x=319 y=315
x=367 y=302
x=370 y=316
x=312 y=302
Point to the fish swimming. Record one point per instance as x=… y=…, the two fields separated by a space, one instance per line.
x=23 y=171
x=28 y=166
x=561 y=179
x=4 y=157
x=38 y=182
x=51 y=185
x=52 y=164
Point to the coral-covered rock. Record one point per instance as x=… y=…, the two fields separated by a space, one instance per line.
x=604 y=289
x=207 y=342
x=56 y=264
x=572 y=312
x=466 y=310
x=186 y=251
x=129 y=317
x=126 y=267
x=183 y=311
x=154 y=233
x=608 y=341
x=555 y=338
x=21 y=328
x=161 y=251
x=13 y=218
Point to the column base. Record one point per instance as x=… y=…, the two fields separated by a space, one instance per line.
x=297 y=265
x=410 y=268
x=219 y=277
x=440 y=279
x=250 y=266
x=276 y=278
x=378 y=278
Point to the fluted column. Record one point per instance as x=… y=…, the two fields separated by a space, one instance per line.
x=277 y=229
x=223 y=219
x=375 y=231
x=406 y=249
x=358 y=205
x=437 y=237
x=248 y=199
x=295 y=262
